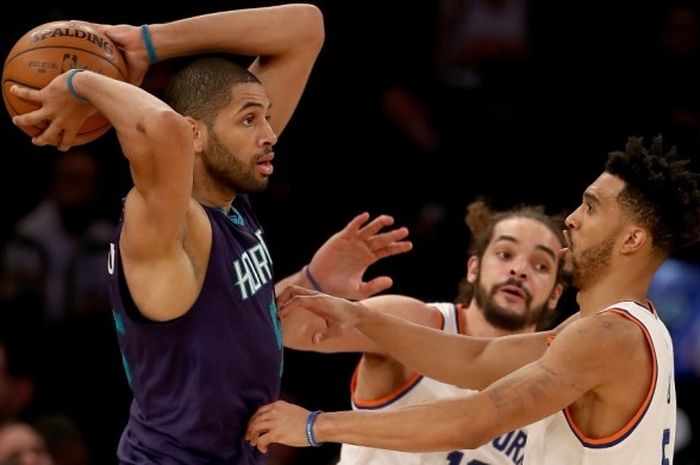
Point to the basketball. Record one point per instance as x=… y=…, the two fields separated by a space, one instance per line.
x=52 y=49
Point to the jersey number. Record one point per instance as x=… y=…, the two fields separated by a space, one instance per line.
x=665 y=440
x=455 y=458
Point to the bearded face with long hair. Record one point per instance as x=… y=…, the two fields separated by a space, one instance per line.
x=502 y=317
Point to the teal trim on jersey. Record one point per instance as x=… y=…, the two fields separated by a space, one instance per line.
x=118 y=323
x=127 y=370
x=236 y=217
x=276 y=325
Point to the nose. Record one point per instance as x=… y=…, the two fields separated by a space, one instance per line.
x=519 y=270
x=269 y=137
x=570 y=220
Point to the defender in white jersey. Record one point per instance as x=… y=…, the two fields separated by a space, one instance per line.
x=609 y=373
x=507 y=449
x=512 y=286
x=558 y=438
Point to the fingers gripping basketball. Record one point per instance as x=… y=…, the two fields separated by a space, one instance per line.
x=52 y=49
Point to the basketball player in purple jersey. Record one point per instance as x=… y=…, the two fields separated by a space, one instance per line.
x=191 y=278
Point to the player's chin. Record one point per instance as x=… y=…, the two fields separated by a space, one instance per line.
x=258 y=184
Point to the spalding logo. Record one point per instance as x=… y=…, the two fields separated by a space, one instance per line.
x=77 y=33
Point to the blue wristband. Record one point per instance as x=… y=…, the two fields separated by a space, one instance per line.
x=148 y=43
x=310 y=428
x=311 y=279
x=69 y=83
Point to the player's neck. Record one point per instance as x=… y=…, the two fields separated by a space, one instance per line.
x=209 y=195
x=614 y=288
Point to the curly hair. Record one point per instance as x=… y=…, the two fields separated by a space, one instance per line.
x=482 y=221
x=660 y=192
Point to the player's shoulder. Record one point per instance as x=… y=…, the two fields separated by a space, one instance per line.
x=604 y=333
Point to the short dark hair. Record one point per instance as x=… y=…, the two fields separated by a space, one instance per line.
x=203 y=87
x=660 y=192
x=482 y=221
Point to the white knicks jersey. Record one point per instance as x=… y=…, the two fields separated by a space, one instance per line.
x=648 y=437
x=507 y=449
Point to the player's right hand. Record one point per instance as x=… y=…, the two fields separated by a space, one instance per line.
x=61 y=113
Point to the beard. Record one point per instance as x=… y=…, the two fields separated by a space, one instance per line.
x=591 y=264
x=501 y=317
x=229 y=170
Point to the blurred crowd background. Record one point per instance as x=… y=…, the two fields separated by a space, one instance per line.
x=414 y=109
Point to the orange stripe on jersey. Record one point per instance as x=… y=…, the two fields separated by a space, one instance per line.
x=384 y=400
x=396 y=393
x=650 y=305
x=627 y=429
x=441 y=324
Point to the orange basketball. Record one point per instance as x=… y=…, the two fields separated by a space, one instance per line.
x=52 y=49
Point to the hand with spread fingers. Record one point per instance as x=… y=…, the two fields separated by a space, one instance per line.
x=340 y=263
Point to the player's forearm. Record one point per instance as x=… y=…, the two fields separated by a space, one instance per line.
x=472 y=363
x=424 y=349
x=297 y=327
x=253 y=32
x=445 y=425
x=300 y=326
x=297 y=279
x=128 y=108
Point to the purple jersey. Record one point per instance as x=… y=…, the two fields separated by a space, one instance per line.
x=197 y=380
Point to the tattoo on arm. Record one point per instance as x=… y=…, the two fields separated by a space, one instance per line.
x=518 y=391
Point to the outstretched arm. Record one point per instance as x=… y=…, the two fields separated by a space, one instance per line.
x=475 y=362
x=589 y=356
x=340 y=263
x=300 y=326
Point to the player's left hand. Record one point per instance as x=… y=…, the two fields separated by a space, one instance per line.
x=340 y=263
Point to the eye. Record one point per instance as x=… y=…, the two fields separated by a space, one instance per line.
x=249 y=120
x=503 y=254
x=542 y=267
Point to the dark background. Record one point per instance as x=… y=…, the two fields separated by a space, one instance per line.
x=537 y=129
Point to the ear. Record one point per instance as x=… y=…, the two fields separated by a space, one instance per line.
x=200 y=134
x=554 y=297
x=635 y=238
x=472 y=269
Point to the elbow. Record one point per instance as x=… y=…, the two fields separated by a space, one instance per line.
x=164 y=124
x=311 y=23
x=160 y=131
